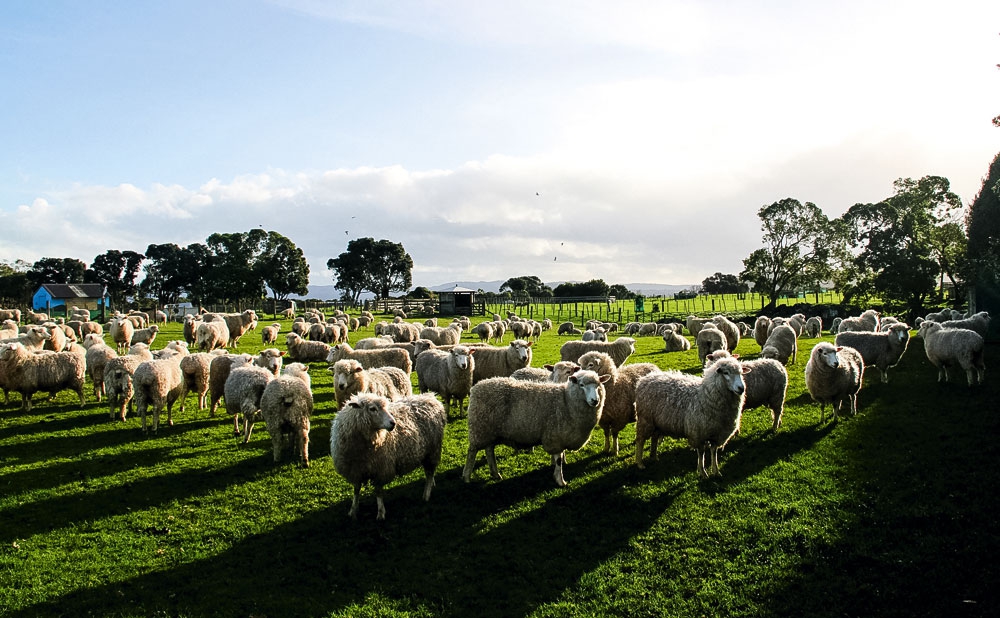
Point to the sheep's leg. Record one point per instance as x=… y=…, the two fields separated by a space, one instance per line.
x=83 y=399
x=428 y=484
x=614 y=439
x=248 y=427
x=714 y=453
x=607 y=441
x=236 y=424
x=700 y=450
x=303 y=446
x=381 y=504
x=354 y=502
x=26 y=402
x=885 y=375
x=470 y=464
x=822 y=412
x=557 y=471
x=156 y=417
x=491 y=458
x=654 y=446
x=640 y=441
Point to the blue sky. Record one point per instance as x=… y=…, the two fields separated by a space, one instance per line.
x=630 y=141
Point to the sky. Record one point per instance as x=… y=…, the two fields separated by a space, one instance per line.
x=630 y=141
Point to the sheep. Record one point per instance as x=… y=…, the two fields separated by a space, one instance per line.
x=867 y=321
x=766 y=384
x=71 y=336
x=191 y=323
x=286 y=405
x=835 y=325
x=834 y=374
x=694 y=324
x=303 y=351
x=647 y=330
x=160 y=317
x=158 y=383
x=946 y=347
x=350 y=378
x=33 y=339
x=619 y=349
x=708 y=340
x=729 y=329
x=979 y=323
x=449 y=335
x=57 y=338
x=374 y=439
x=211 y=335
x=98 y=355
x=674 y=342
x=450 y=374
x=705 y=410
x=566 y=328
x=27 y=373
x=547 y=324
x=196 y=369
x=499 y=362
x=619 y=402
x=403 y=332
x=118 y=372
x=10 y=314
x=35 y=318
x=559 y=372
x=631 y=328
x=144 y=335
x=782 y=345
x=243 y=391
x=499 y=330
x=218 y=373
x=559 y=417
x=372 y=359
x=814 y=327
x=594 y=335
x=881 y=350
x=484 y=330
x=521 y=329
x=238 y=324
x=941 y=316
x=269 y=334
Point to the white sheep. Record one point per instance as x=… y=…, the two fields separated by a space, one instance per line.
x=239 y=323
x=449 y=374
x=595 y=335
x=814 y=327
x=705 y=410
x=694 y=324
x=269 y=334
x=647 y=329
x=374 y=439
x=449 y=335
x=766 y=384
x=303 y=351
x=372 y=359
x=867 y=321
x=145 y=335
x=484 y=330
x=158 y=383
x=835 y=325
x=881 y=349
x=244 y=388
x=57 y=338
x=211 y=335
x=33 y=338
x=500 y=362
x=27 y=373
x=675 y=342
x=834 y=374
x=118 y=385
x=287 y=405
x=619 y=402
x=729 y=329
x=559 y=417
x=619 y=349
x=98 y=355
x=709 y=339
x=195 y=370
x=559 y=372
x=121 y=333
x=218 y=373
x=946 y=347
x=782 y=345
x=350 y=378
x=979 y=323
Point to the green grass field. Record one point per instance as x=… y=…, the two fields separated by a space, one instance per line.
x=890 y=513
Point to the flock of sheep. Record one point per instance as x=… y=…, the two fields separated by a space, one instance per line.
x=383 y=430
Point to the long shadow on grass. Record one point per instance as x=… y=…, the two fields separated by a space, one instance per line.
x=473 y=550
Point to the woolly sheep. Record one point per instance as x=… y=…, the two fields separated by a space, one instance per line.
x=766 y=385
x=145 y=335
x=559 y=417
x=694 y=324
x=881 y=350
x=449 y=335
x=57 y=338
x=27 y=373
x=708 y=340
x=595 y=335
x=619 y=402
x=566 y=328
x=374 y=439
x=195 y=371
x=946 y=347
x=834 y=374
x=559 y=372
x=729 y=329
x=705 y=410
x=303 y=351
x=979 y=323
x=243 y=389
x=867 y=321
x=98 y=355
x=158 y=383
x=492 y=362
x=10 y=314
x=211 y=335
x=647 y=330
x=238 y=324
x=484 y=330
x=191 y=323
x=782 y=345
x=287 y=405
x=499 y=330
x=449 y=374
x=269 y=334
x=118 y=384
x=403 y=332
x=674 y=342
x=547 y=324
x=372 y=359
x=619 y=349
x=814 y=327
x=218 y=373
x=33 y=339
x=350 y=378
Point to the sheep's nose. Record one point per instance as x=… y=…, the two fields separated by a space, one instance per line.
x=392 y=425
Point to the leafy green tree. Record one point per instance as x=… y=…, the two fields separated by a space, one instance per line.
x=283 y=267
x=15 y=289
x=117 y=270
x=376 y=266
x=528 y=285
x=620 y=292
x=983 y=225
x=56 y=270
x=594 y=287
x=798 y=242
x=166 y=273
x=895 y=238
x=723 y=284
x=234 y=276
x=421 y=293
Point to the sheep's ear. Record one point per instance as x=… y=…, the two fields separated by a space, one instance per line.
x=549 y=367
x=604 y=378
x=839 y=348
x=745 y=369
x=573 y=379
x=353 y=403
x=472 y=351
x=358 y=369
x=736 y=355
x=531 y=343
x=281 y=353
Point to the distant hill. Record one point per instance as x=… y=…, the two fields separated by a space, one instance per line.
x=328 y=292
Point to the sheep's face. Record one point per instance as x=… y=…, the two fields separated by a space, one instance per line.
x=827 y=355
x=461 y=357
x=562 y=370
x=523 y=349
x=592 y=386
x=270 y=359
x=928 y=327
x=731 y=372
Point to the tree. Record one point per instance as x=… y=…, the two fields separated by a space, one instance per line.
x=723 y=284
x=15 y=289
x=56 y=270
x=528 y=285
x=798 y=241
x=283 y=267
x=983 y=226
x=165 y=273
x=117 y=270
x=895 y=238
x=594 y=287
x=620 y=292
x=421 y=293
x=234 y=275
x=379 y=267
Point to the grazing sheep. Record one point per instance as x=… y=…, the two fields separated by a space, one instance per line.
x=286 y=405
x=814 y=327
x=595 y=335
x=559 y=372
x=351 y=378
x=729 y=329
x=946 y=347
x=118 y=384
x=867 y=321
x=302 y=351
x=501 y=362
x=27 y=373
x=484 y=330
x=834 y=374
x=547 y=324
x=98 y=355
x=449 y=335
x=144 y=335
x=243 y=389
x=269 y=334
x=766 y=384
x=238 y=324
x=567 y=328
x=619 y=402
x=449 y=374
x=372 y=359
x=374 y=439
x=158 y=383
x=211 y=335
x=694 y=324
x=781 y=345
x=675 y=342
x=218 y=373
x=979 y=323
x=619 y=349
x=708 y=340
x=521 y=414
x=647 y=330
x=878 y=349
x=196 y=369
x=705 y=410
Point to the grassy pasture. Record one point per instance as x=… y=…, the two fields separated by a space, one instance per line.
x=890 y=513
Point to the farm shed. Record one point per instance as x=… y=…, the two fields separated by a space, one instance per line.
x=458 y=301
x=83 y=295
